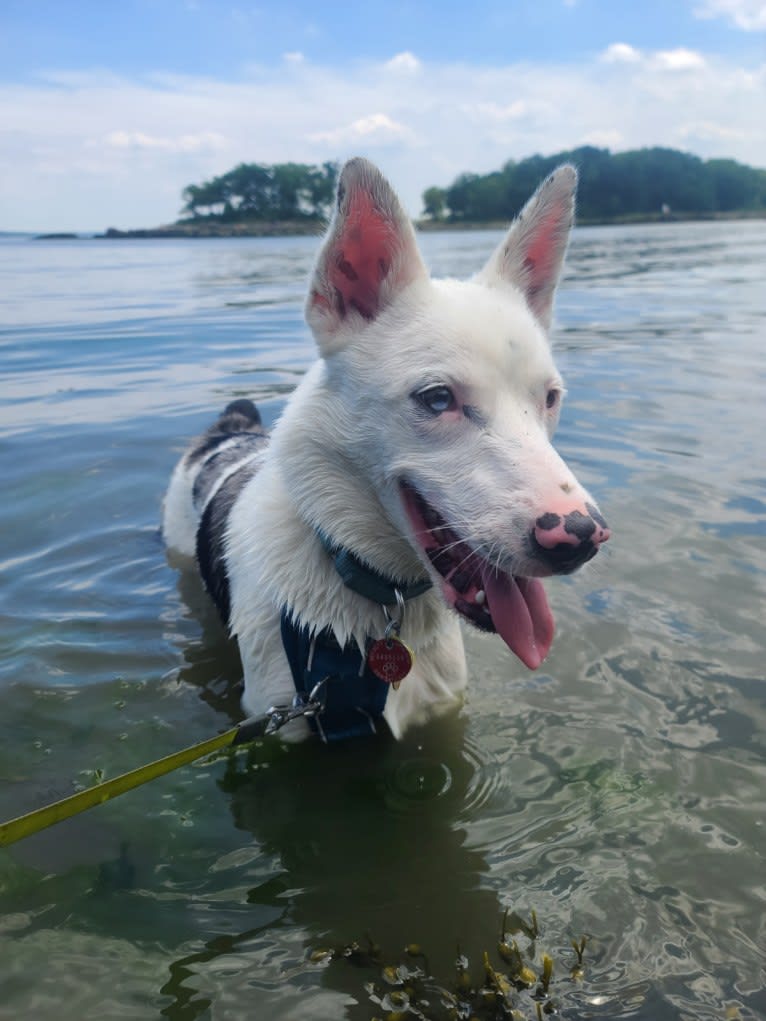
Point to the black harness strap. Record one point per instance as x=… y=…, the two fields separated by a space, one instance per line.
x=354 y=698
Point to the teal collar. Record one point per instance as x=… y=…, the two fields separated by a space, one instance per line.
x=364 y=580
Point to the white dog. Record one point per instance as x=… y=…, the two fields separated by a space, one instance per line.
x=410 y=481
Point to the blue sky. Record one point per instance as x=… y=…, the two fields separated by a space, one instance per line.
x=107 y=110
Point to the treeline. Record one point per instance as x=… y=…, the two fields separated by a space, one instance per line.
x=639 y=184
x=257 y=191
x=644 y=183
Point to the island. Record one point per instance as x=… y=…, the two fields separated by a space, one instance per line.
x=639 y=186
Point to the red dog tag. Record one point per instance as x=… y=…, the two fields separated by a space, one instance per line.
x=390 y=659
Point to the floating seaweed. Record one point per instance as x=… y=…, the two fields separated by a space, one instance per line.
x=518 y=989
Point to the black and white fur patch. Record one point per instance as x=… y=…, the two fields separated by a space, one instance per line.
x=228 y=455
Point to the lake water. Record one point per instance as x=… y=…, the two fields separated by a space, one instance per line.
x=619 y=792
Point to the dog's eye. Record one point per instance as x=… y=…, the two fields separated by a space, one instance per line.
x=437 y=399
x=551 y=399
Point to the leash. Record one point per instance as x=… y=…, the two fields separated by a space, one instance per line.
x=248 y=730
x=355 y=700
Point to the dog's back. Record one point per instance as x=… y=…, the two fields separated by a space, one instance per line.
x=209 y=475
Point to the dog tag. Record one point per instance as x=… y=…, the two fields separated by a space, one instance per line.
x=390 y=659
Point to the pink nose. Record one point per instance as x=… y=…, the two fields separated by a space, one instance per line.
x=565 y=541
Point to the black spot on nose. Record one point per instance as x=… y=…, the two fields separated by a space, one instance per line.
x=547 y=522
x=582 y=526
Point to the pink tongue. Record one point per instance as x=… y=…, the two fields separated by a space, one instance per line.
x=521 y=615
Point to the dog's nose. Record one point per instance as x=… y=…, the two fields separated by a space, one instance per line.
x=563 y=542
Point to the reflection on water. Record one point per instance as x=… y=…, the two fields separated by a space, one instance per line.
x=619 y=793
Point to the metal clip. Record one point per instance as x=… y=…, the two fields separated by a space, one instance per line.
x=280 y=715
x=394 y=623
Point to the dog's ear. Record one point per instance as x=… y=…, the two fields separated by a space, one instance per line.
x=368 y=256
x=533 y=251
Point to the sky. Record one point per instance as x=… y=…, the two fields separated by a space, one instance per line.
x=109 y=109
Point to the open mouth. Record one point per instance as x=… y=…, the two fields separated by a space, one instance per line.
x=514 y=606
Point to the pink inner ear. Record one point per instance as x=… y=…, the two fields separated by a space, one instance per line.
x=362 y=257
x=541 y=252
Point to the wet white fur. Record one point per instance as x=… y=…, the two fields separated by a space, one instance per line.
x=351 y=430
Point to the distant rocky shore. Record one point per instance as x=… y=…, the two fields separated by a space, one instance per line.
x=289 y=228
x=207 y=229
x=213 y=229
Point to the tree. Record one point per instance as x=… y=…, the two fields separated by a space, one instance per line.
x=257 y=191
x=637 y=183
x=733 y=183
x=435 y=203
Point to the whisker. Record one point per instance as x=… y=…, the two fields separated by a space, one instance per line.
x=493 y=553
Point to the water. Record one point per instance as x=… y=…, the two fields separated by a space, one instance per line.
x=618 y=792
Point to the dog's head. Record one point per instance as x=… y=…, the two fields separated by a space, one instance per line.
x=447 y=397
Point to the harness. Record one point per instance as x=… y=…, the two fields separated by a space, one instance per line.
x=335 y=685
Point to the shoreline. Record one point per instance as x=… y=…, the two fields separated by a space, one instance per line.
x=176 y=231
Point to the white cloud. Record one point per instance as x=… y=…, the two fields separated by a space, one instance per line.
x=374 y=129
x=605 y=138
x=403 y=63
x=497 y=112
x=90 y=150
x=677 y=60
x=708 y=130
x=621 y=53
x=180 y=143
x=294 y=57
x=749 y=15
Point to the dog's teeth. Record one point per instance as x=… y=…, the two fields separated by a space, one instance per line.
x=480 y=597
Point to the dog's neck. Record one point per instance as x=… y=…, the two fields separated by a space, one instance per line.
x=365 y=580
x=296 y=572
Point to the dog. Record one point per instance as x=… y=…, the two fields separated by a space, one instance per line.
x=410 y=481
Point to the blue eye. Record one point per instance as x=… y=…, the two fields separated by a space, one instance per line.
x=551 y=399
x=436 y=399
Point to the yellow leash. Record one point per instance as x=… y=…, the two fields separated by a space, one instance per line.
x=40 y=818
x=248 y=730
